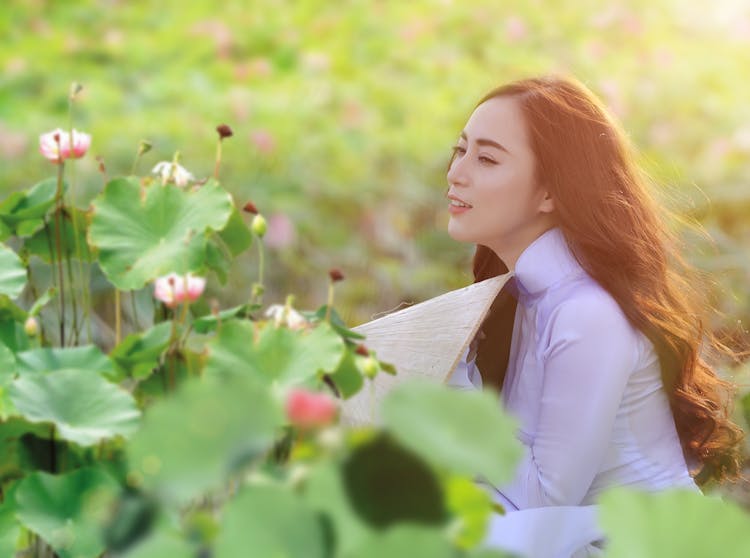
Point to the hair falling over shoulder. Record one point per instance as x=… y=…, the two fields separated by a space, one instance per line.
x=617 y=232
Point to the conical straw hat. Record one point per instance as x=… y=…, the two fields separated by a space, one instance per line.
x=422 y=341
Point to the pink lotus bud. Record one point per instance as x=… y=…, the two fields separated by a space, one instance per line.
x=167 y=291
x=80 y=144
x=308 y=410
x=195 y=286
x=175 y=289
x=56 y=146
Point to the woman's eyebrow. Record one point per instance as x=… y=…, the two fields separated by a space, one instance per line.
x=485 y=141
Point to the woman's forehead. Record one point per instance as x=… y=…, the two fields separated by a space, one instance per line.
x=499 y=119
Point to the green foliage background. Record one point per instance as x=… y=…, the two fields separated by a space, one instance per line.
x=344 y=113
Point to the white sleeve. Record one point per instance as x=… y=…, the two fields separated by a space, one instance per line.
x=589 y=353
x=465 y=376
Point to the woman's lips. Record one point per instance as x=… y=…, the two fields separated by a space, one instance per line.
x=456 y=205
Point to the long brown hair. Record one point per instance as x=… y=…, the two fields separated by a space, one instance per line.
x=618 y=234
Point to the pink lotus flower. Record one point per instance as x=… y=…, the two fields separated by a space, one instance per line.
x=56 y=146
x=175 y=289
x=308 y=410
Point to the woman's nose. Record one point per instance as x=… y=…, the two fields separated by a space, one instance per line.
x=457 y=172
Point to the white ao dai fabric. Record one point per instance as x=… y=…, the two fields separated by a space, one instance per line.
x=586 y=389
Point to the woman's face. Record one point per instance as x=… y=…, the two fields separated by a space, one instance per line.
x=493 y=173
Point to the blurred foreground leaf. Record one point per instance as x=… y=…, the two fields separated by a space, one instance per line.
x=193 y=441
x=67 y=510
x=386 y=484
x=673 y=524
x=406 y=541
x=270 y=522
x=463 y=431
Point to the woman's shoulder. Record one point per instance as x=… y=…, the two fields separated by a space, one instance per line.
x=583 y=308
x=584 y=298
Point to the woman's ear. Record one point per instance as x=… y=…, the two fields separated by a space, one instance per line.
x=547 y=204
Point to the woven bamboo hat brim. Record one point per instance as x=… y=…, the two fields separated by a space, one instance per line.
x=425 y=341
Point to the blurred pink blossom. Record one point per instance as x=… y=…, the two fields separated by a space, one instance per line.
x=56 y=145
x=515 y=29
x=12 y=144
x=263 y=141
x=281 y=231
x=174 y=289
x=308 y=410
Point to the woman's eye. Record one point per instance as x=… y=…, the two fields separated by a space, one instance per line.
x=487 y=160
x=457 y=149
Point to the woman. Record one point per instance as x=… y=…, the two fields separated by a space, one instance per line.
x=604 y=368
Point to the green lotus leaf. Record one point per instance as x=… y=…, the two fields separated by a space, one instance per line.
x=22 y=213
x=272 y=521
x=161 y=544
x=7 y=374
x=236 y=236
x=325 y=492
x=193 y=441
x=12 y=273
x=84 y=407
x=47 y=359
x=672 y=524
x=10 y=528
x=210 y=322
x=347 y=376
x=277 y=354
x=68 y=510
x=16 y=456
x=414 y=541
x=463 y=431
x=12 y=334
x=146 y=232
x=138 y=354
x=472 y=505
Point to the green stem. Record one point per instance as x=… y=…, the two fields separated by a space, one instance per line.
x=58 y=244
x=118 y=317
x=261 y=261
x=71 y=282
x=74 y=218
x=329 y=304
x=135 y=162
x=218 y=160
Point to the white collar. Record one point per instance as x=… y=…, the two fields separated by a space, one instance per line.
x=545 y=262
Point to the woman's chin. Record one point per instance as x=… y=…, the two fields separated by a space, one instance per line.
x=459 y=235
